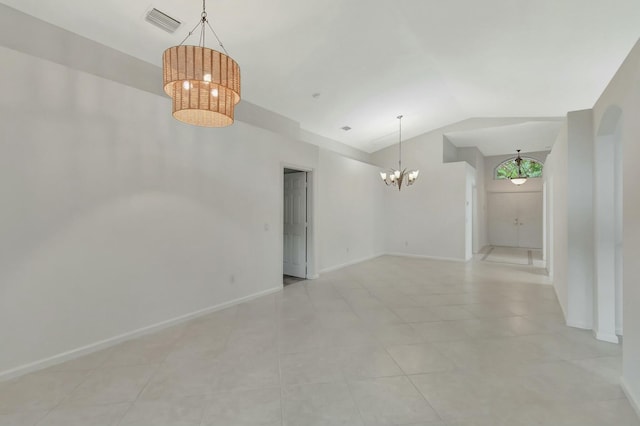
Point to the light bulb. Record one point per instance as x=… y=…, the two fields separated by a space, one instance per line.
x=207 y=78
x=397 y=173
x=214 y=93
x=383 y=175
x=186 y=85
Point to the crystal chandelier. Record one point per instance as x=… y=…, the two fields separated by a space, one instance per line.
x=520 y=179
x=203 y=83
x=400 y=176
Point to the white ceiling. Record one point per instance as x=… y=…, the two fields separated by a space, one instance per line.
x=437 y=62
x=529 y=136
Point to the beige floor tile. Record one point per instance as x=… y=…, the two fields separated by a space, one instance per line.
x=38 y=391
x=320 y=405
x=254 y=370
x=441 y=331
x=463 y=395
x=416 y=314
x=489 y=310
x=559 y=346
x=186 y=411
x=451 y=313
x=246 y=408
x=420 y=358
x=27 y=418
x=321 y=366
x=179 y=380
x=98 y=415
x=606 y=368
x=391 y=401
x=358 y=362
x=396 y=334
x=381 y=315
x=562 y=381
x=111 y=385
x=490 y=348
x=490 y=353
x=616 y=412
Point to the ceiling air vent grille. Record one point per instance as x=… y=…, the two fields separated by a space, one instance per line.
x=162 y=20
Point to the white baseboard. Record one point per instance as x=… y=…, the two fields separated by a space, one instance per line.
x=421 y=256
x=606 y=337
x=633 y=399
x=344 y=265
x=112 y=341
x=577 y=324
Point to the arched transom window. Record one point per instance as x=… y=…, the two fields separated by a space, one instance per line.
x=508 y=169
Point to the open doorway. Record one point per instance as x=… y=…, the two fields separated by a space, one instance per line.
x=515 y=228
x=295 y=226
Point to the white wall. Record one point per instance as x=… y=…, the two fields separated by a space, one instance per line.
x=624 y=92
x=116 y=217
x=350 y=211
x=569 y=175
x=428 y=218
x=607 y=204
x=475 y=159
x=556 y=178
x=580 y=219
x=470 y=219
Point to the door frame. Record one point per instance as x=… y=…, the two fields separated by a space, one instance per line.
x=311 y=219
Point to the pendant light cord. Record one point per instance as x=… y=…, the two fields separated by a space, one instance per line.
x=400 y=144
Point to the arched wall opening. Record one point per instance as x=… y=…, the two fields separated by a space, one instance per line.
x=608 y=226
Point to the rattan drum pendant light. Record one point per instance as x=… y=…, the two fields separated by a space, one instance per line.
x=203 y=83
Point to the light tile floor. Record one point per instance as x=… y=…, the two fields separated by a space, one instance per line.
x=392 y=341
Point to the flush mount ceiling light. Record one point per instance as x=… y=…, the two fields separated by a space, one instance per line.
x=520 y=179
x=400 y=176
x=203 y=83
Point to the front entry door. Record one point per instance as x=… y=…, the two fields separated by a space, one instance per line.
x=295 y=224
x=515 y=219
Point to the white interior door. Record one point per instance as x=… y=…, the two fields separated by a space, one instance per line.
x=503 y=214
x=529 y=219
x=295 y=225
x=515 y=219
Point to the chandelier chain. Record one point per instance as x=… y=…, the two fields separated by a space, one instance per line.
x=204 y=20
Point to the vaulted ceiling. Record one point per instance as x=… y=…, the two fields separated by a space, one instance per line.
x=437 y=62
